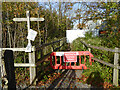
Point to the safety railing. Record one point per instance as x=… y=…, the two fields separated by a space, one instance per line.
x=116 y=58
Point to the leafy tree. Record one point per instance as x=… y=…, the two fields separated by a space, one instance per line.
x=14 y=33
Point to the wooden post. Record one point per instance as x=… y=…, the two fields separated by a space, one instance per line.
x=0 y=68
x=32 y=69
x=52 y=49
x=89 y=49
x=61 y=42
x=116 y=71
x=9 y=66
x=83 y=46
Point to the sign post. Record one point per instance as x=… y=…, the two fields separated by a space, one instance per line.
x=29 y=46
x=28 y=19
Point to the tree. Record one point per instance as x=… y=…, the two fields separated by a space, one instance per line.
x=18 y=30
x=110 y=12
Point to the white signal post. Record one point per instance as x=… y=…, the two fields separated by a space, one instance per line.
x=28 y=23
x=28 y=19
x=28 y=48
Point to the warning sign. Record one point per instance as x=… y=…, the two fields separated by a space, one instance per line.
x=70 y=57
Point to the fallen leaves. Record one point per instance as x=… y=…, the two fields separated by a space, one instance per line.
x=50 y=79
x=107 y=85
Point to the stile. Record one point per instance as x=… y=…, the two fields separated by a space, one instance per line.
x=116 y=71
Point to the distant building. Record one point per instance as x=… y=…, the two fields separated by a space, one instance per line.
x=91 y=26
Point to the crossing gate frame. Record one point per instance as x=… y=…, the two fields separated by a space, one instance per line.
x=62 y=64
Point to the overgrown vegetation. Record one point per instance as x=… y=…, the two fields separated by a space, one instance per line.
x=105 y=72
x=58 y=19
x=99 y=73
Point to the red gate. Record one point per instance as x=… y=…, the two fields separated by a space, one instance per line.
x=70 y=60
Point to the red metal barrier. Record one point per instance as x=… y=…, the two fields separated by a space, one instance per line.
x=70 y=60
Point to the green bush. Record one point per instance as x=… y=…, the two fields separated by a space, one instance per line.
x=104 y=71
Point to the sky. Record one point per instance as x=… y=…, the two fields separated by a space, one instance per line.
x=75 y=0
x=70 y=13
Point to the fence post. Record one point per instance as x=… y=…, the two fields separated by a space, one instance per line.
x=52 y=47
x=9 y=66
x=83 y=46
x=116 y=71
x=32 y=69
x=89 y=49
x=0 y=67
x=61 y=42
x=0 y=43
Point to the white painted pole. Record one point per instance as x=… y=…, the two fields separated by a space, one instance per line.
x=25 y=19
x=28 y=22
x=30 y=55
x=116 y=71
x=89 y=49
x=33 y=68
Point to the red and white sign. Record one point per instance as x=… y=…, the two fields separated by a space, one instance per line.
x=70 y=57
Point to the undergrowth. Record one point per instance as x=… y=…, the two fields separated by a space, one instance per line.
x=97 y=72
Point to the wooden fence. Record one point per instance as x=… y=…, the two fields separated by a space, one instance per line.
x=116 y=58
x=32 y=57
